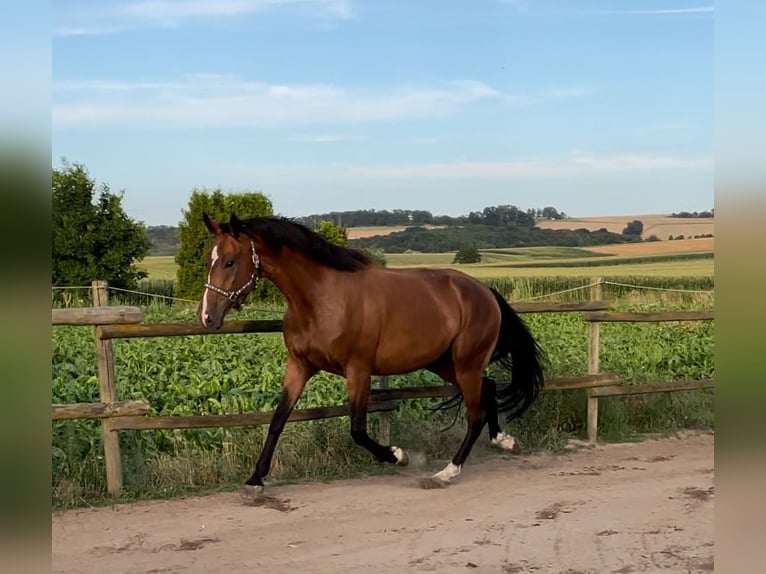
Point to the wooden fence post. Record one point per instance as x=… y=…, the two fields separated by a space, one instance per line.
x=593 y=360
x=384 y=420
x=108 y=394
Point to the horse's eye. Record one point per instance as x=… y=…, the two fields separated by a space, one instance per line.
x=229 y=263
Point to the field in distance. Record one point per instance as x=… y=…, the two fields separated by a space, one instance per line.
x=660 y=225
x=684 y=257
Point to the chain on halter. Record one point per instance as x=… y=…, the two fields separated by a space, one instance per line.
x=234 y=296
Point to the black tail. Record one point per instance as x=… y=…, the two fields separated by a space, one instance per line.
x=519 y=353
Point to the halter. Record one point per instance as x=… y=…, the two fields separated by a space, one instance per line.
x=234 y=296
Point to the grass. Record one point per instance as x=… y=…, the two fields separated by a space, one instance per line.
x=159 y=266
x=527 y=262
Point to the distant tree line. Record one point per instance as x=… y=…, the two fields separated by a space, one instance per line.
x=495 y=215
x=682 y=236
x=163 y=239
x=453 y=238
x=694 y=214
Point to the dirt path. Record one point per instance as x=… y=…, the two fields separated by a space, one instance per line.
x=643 y=507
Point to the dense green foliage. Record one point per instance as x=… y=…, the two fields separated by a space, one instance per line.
x=634 y=229
x=467 y=255
x=92 y=238
x=195 y=239
x=483 y=236
x=335 y=234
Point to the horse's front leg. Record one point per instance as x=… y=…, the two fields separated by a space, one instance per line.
x=297 y=374
x=358 y=382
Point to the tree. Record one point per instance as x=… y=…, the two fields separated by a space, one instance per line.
x=338 y=235
x=195 y=239
x=92 y=240
x=634 y=229
x=467 y=255
x=335 y=234
x=376 y=254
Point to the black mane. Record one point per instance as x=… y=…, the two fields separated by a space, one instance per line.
x=278 y=232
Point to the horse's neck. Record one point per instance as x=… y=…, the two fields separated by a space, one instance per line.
x=300 y=280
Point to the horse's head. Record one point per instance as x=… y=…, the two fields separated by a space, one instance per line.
x=232 y=271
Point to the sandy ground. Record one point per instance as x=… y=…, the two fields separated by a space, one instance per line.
x=639 y=507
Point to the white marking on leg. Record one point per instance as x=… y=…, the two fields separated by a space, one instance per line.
x=504 y=441
x=448 y=473
x=214 y=258
x=402 y=458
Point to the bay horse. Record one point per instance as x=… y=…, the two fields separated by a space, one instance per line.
x=348 y=315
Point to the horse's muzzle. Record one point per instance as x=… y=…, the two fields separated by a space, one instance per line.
x=211 y=323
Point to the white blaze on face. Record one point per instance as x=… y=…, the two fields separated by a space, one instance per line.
x=213 y=259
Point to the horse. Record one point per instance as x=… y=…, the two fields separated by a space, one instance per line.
x=348 y=315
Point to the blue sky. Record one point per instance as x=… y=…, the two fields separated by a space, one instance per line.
x=594 y=107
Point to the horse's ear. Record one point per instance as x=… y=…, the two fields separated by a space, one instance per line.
x=212 y=226
x=236 y=225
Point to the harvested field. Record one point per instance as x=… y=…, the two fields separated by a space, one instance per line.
x=660 y=225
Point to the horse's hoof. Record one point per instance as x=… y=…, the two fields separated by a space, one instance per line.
x=252 y=493
x=507 y=442
x=402 y=458
x=431 y=483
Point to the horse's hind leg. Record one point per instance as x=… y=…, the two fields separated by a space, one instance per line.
x=359 y=396
x=476 y=416
x=489 y=402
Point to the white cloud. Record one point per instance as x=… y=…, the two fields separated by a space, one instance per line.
x=663 y=11
x=225 y=101
x=571 y=166
x=100 y=19
x=172 y=11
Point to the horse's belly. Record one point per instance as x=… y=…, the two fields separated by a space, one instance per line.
x=404 y=352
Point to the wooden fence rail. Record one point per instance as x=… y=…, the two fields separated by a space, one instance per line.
x=595 y=318
x=100 y=410
x=125 y=323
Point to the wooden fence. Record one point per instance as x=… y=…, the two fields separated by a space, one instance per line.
x=116 y=322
